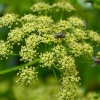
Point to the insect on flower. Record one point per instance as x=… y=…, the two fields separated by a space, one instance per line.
x=96 y=61
x=59 y=35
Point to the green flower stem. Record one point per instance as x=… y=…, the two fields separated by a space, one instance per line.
x=56 y=78
x=62 y=14
x=14 y=54
x=17 y=67
x=57 y=68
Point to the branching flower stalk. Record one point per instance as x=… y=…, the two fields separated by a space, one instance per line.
x=35 y=33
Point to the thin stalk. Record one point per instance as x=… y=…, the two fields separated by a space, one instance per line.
x=56 y=78
x=57 y=68
x=62 y=14
x=17 y=67
x=14 y=54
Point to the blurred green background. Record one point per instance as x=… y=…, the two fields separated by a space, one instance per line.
x=90 y=76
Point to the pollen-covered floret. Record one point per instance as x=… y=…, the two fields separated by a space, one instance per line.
x=33 y=40
x=79 y=49
x=27 y=75
x=44 y=24
x=38 y=7
x=47 y=59
x=29 y=27
x=70 y=38
x=94 y=36
x=69 y=78
x=64 y=6
x=66 y=62
x=27 y=53
x=41 y=25
x=5 y=49
x=28 y=18
x=61 y=25
x=87 y=49
x=48 y=38
x=59 y=51
x=76 y=22
x=79 y=34
x=69 y=84
x=16 y=35
x=75 y=48
x=8 y=20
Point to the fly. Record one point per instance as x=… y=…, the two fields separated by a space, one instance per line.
x=96 y=61
x=59 y=35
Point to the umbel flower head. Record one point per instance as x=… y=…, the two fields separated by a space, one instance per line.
x=53 y=43
x=27 y=75
x=5 y=49
x=8 y=20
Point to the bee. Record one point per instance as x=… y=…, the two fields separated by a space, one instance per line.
x=96 y=61
x=59 y=35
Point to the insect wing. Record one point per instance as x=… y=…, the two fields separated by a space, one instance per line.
x=59 y=35
x=56 y=35
x=62 y=35
x=94 y=59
